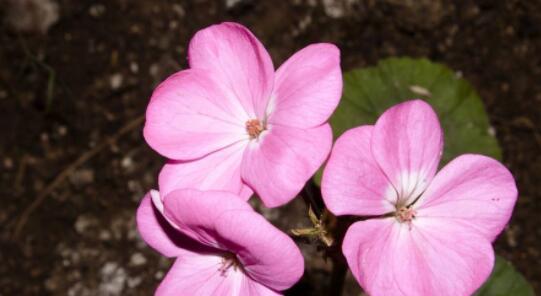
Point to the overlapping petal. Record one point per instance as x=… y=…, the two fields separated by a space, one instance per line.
x=238 y=63
x=407 y=144
x=390 y=258
x=278 y=166
x=308 y=87
x=267 y=254
x=228 y=224
x=217 y=171
x=473 y=191
x=199 y=274
x=187 y=117
x=159 y=234
x=353 y=183
x=195 y=212
x=155 y=230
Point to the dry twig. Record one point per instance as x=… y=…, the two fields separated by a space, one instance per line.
x=61 y=177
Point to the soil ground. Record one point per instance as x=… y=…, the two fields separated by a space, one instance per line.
x=66 y=88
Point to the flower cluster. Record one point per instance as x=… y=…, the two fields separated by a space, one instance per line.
x=230 y=126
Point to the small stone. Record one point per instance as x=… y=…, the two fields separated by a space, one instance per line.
x=116 y=81
x=84 y=222
x=159 y=275
x=179 y=10
x=134 y=282
x=62 y=130
x=8 y=163
x=31 y=15
x=134 y=67
x=127 y=162
x=113 y=279
x=105 y=235
x=337 y=8
x=138 y=259
x=231 y=3
x=96 y=10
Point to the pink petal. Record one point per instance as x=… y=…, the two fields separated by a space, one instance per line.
x=219 y=170
x=251 y=287
x=474 y=191
x=188 y=117
x=308 y=87
x=429 y=258
x=246 y=192
x=407 y=143
x=199 y=274
x=159 y=233
x=154 y=230
x=278 y=166
x=195 y=212
x=268 y=255
x=236 y=60
x=353 y=183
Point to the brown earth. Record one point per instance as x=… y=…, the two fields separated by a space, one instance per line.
x=66 y=88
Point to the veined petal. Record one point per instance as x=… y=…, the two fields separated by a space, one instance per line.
x=251 y=287
x=353 y=183
x=279 y=164
x=308 y=87
x=474 y=191
x=187 y=117
x=238 y=63
x=430 y=257
x=268 y=255
x=219 y=170
x=159 y=234
x=199 y=274
x=195 y=212
x=155 y=230
x=407 y=144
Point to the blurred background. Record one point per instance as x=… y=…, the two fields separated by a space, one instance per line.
x=76 y=76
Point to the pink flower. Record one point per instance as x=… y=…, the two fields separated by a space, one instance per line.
x=222 y=246
x=433 y=233
x=231 y=123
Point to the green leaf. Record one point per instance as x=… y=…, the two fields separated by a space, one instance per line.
x=370 y=91
x=505 y=281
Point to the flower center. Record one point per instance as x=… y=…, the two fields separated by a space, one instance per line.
x=254 y=128
x=405 y=215
x=229 y=260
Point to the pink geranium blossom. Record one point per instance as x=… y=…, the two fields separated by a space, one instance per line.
x=222 y=246
x=432 y=232
x=229 y=122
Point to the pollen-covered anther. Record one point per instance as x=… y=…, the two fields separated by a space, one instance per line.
x=229 y=260
x=405 y=214
x=254 y=128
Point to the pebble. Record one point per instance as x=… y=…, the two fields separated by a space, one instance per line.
x=232 y=3
x=31 y=15
x=84 y=222
x=8 y=163
x=138 y=259
x=113 y=279
x=96 y=10
x=116 y=81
